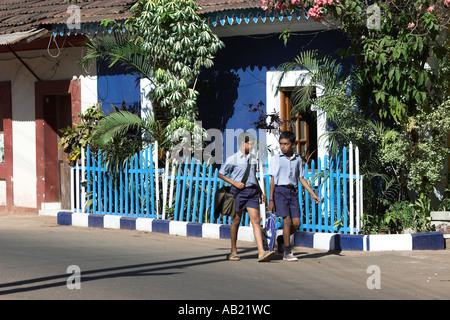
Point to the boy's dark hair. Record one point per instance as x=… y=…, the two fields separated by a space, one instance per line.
x=245 y=137
x=288 y=135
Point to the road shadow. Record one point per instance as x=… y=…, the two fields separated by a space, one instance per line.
x=306 y=255
x=160 y=268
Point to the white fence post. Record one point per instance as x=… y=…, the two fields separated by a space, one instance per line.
x=262 y=206
x=350 y=180
x=155 y=160
x=358 y=186
x=72 y=188
x=165 y=185
x=83 y=174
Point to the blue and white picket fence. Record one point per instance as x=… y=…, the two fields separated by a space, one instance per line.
x=185 y=192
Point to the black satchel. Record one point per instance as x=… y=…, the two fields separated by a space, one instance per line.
x=225 y=202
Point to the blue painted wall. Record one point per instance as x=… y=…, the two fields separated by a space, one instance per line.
x=115 y=85
x=238 y=77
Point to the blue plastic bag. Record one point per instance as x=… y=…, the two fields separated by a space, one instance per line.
x=271 y=229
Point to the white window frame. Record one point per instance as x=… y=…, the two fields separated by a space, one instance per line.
x=290 y=79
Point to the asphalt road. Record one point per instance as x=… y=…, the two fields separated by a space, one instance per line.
x=40 y=260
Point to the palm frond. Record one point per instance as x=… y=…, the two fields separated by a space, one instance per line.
x=322 y=72
x=115 y=124
x=119 y=47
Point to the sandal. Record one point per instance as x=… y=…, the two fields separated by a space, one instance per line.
x=233 y=257
x=267 y=256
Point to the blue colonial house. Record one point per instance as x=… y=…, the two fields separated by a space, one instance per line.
x=43 y=88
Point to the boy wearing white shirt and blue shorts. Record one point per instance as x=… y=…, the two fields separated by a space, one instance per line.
x=286 y=169
x=248 y=195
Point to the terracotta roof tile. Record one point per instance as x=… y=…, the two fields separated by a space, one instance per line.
x=24 y=15
x=209 y=6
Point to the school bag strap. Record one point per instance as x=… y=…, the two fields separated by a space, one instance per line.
x=246 y=173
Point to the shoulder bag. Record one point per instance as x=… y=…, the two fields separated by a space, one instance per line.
x=225 y=202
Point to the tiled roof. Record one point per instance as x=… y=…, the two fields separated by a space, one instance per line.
x=209 y=6
x=24 y=15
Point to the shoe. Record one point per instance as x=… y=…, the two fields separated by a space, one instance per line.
x=267 y=256
x=289 y=257
x=280 y=244
x=233 y=257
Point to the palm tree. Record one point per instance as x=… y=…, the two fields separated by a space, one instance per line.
x=344 y=99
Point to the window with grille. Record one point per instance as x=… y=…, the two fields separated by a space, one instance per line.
x=303 y=124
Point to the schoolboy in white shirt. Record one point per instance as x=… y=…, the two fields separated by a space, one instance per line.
x=248 y=195
x=286 y=169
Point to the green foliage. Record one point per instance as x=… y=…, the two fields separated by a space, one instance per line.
x=394 y=56
x=180 y=132
x=444 y=205
x=422 y=209
x=395 y=59
x=117 y=144
x=394 y=159
x=395 y=103
x=118 y=125
x=165 y=41
x=168 y=43
x=400 y=216
x=416 y=154
x=73 y=139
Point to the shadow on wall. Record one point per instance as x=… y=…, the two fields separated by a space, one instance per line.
x=238 y=77
x=111 y=88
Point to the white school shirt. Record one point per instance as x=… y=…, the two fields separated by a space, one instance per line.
x=236 y=165
x=286 y=171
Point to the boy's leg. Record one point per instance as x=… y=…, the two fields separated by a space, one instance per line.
x=295 y=225
x=287 y=229
x=294 y=215
x=235 y=222
x=290 y=226
x=256 y=224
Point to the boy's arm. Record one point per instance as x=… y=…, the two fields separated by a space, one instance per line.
x=310 y=190
x=261 y=193
x=237 y=184
x=271 y=190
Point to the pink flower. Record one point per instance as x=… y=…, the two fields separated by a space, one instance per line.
x=430 y=9
x=296 y=2
x=411 y=25
x=264 y=5
x=278 y=5
x=447 y=3
x=323 y=2
x=315 y=13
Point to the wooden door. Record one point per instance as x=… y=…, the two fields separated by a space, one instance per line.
x=57 y=115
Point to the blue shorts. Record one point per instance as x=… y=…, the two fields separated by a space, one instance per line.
x=286 y=202
x=245 y=198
